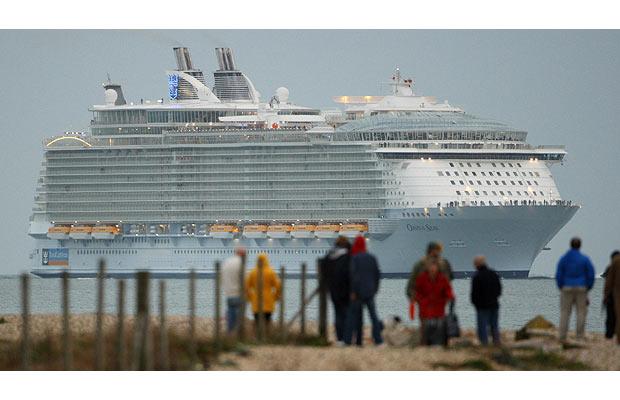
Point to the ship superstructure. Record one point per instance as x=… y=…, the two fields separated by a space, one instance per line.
x=174 y=185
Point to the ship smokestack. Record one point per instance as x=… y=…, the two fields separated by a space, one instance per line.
x=225 y=59
x=113 y=93
x=184 y=61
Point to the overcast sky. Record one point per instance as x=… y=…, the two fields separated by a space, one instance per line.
x=563 y=87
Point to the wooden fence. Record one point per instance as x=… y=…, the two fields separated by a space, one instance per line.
x=142 y=351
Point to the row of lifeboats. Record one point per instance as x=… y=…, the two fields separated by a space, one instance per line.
x=222 y=231
x=82 y=232
x=301 y=231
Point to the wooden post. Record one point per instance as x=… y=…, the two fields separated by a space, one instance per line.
x=302 y=319
x=66 y=327
x=99 y=363
x=322 y=300
x=163 y=329
x=25 y=345
x=260 y=319
x=218 y=289
x=141 y=326
x=241 y=316
x=120 y=327
x=192 y=316
x=282 y=302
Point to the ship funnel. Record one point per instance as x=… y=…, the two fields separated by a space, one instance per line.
x=184 y=61
x=225 y=59
x=113 y=94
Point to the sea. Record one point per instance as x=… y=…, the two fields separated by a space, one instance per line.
x=521 y=300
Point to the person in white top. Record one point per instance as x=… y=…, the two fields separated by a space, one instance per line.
x=231 y=268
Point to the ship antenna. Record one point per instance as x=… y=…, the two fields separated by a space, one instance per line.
x=109 y=80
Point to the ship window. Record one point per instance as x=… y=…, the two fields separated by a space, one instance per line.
x=536 y=183
x=461 y=182
x=519 y=164
x=536 y=173
x=466 y=174
x=452 y=165
x=493 y=164
x=460 y=164
x=479 y=183
x=512 y=182
x=458 y=192
x=469 y=164
x=482 y=203
x=490 y=173
x=488 y=182
x=541 y=193
x=510 y=165
x=509 y=193
x=496 y=182
x=477 y=193
x=471 y=182
x=494 y=193
x=483 y=174
x=521 y=183
x=452 y=182
x=502 y=164
x=490 y=203
x=531 y=174
x=439 y=173
x=447 y=173
x=467 y=192
x=528 y=182
x=478 y=164
x=500 y=192
x=503 y=182
x=456 y=173
x=484 y=192
x=515 y=174
x=518 y=193
x=474 y=174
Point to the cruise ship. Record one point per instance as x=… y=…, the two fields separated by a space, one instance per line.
x=175 y=184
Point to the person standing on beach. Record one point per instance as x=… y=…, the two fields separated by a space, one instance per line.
x=485 y=290
x=574 y=277
x=432 y=293
x=336 y=269
x=271 y=289
x=608 y=302
x=364 y=284
x=433 y=254
x=231 y=285
x=612 y=290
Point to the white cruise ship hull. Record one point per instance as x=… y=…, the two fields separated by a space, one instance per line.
x=509 y=236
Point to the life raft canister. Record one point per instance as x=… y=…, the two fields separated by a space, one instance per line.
x=275 y=125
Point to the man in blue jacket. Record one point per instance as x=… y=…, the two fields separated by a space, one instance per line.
x=574 y=277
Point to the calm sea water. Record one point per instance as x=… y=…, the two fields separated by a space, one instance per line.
x=521 y=299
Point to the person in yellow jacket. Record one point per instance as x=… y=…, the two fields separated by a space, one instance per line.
x=271 y=288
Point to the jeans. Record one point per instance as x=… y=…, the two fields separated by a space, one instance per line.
x=340 y=314
x=487 y=318
x=233 y=305
x=577 y=296
x=433 y=332
x=355 y=321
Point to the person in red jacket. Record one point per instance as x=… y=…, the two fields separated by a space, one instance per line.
x=432 y=293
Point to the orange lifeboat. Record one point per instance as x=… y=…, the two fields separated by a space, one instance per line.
x=80 y=232
x=106 y=232
x=59 y=232
x=223 y=231
x=255 y=231
x=279 y=231
x=353 y=230
x=302 y=231
x=327 y=231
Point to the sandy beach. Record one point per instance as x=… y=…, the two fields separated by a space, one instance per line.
x=595 y=352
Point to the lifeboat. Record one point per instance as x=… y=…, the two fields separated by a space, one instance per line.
x=80 y=232
x=255 y=231
x=58 y=232
x=223 y=231
x=327 y=231
x=303 y=231
x=203 y=230
x=353 y=230
x=105 y=232
x=279 y=231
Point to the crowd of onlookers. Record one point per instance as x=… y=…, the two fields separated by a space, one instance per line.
x=352 y=277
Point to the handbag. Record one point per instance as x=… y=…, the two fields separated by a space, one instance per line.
x=452 y=323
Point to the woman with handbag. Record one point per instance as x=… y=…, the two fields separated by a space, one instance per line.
x=432 y=292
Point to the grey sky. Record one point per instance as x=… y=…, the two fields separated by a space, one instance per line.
x=563 y=87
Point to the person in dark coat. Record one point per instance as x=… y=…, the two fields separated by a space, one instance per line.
x=364 y=280
x=608 y=303
x=336 y=269
x=485 y=290
x=612 y=291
